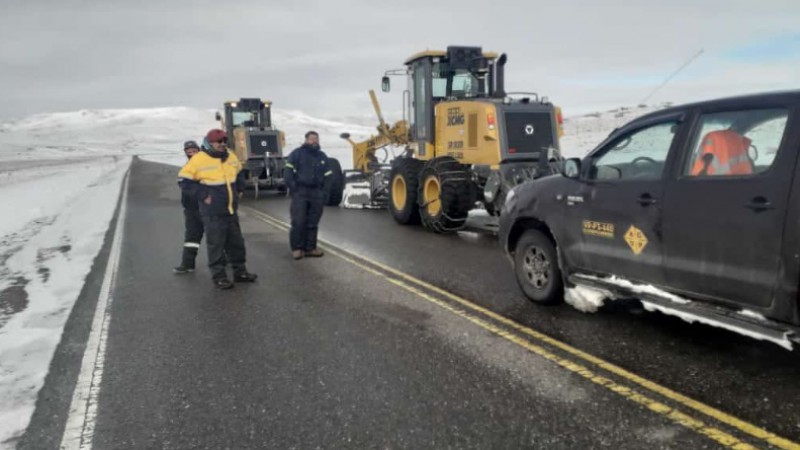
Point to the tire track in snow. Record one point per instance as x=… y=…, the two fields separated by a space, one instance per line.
x=13 y=296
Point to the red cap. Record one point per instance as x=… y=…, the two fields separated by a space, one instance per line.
x=216 y=135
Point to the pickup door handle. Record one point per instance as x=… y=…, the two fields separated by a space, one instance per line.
x=759 y=204
x=646 y=200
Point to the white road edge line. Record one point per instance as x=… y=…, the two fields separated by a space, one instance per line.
x=79 y=430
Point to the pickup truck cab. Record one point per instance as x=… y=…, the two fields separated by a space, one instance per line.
x=695 y=210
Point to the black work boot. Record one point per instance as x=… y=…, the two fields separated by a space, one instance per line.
x=223 y=283
x=182 y=269
x=187 y=261
x=245 y=277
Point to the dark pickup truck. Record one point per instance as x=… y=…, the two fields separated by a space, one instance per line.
x=694 y=210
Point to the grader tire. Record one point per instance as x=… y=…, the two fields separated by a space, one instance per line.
x=333 y=197
x=403 y=180
x=445 y=195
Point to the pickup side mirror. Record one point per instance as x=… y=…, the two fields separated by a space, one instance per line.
x=217 y=116
x=572 y=168
x=386 y=85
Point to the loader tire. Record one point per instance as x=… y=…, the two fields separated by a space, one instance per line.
x=333 y=197
x=403 y=181
x=446 y=195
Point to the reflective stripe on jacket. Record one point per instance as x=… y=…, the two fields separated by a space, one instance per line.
x=723 y=152
x=307 y=167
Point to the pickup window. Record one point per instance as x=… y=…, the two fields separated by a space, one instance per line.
x=736 y=143
x=640 y=155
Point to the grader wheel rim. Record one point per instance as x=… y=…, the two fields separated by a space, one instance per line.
x=399 y=195
x=432 y=192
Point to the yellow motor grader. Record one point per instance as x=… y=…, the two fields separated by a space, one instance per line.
x=255 y=141
x=466 y=140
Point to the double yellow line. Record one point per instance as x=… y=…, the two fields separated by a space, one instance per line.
x=538 y=343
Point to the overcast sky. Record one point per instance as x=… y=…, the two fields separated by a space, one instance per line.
x=322 y=56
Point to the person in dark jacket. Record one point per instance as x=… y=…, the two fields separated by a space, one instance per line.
x=307 y=175
x=193 y=233
x=214 y=176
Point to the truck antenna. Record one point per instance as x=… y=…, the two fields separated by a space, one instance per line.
x=671 y=76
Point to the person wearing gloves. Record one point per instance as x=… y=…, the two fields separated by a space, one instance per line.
x=214 y=177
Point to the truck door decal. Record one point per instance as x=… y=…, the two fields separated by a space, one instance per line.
x=636 y=240
x=600 y=229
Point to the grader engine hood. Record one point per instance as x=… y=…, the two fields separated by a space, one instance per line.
x=528 y=131
x=254 y=143
x=264 y=142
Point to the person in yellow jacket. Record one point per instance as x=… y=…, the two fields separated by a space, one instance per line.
x=214 y=177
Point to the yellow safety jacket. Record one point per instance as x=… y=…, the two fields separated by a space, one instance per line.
x=220 y=178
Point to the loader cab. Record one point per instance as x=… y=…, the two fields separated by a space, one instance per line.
x=246 y=112
x=460 y=73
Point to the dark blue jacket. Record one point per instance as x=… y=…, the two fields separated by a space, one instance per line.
x=188 y=201
x=307 y=167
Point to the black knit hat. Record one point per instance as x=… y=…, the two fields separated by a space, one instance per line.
x=190 y=144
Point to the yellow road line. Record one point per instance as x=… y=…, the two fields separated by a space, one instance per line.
x=688 y=402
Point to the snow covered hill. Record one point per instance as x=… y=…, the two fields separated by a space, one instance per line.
x=155 y=134
x=583 y=133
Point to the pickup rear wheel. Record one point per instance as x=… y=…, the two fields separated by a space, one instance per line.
x=536 y=268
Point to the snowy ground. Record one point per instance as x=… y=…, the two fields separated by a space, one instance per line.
x=54 y=219
x=60 y=177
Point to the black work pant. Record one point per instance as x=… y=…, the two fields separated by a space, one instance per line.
x=306 y=211
x=225 y=244
x=192 y=236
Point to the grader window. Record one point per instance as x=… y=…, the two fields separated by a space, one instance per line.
x=457 y=83
x=246 y=118
x=439 y=86
x=464 y=85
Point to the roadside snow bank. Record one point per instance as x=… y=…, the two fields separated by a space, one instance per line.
x=54 y=222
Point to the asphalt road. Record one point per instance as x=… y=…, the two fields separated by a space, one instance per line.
x=397 y=338
x=756 y=381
